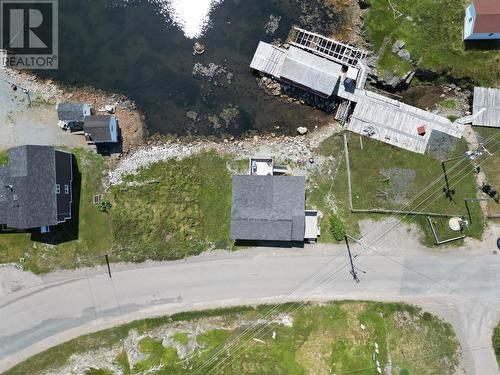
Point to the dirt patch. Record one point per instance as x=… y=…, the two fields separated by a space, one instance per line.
x=398 y=184
x=130 y=120
x=349 y=27
x=425 y=97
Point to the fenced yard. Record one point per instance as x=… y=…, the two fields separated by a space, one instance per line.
x=386 y=179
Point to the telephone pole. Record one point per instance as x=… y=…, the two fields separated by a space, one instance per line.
x=353 y=269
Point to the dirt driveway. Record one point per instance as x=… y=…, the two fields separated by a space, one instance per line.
x=22 y=124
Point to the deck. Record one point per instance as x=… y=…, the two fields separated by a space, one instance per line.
x=486 y=107
x=396 y=123
x=325 y=47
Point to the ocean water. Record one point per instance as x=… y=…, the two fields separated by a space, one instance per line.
x=144 y=49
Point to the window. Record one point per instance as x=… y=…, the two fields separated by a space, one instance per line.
x=491 y=34
x=58 y=189
x=66 y=189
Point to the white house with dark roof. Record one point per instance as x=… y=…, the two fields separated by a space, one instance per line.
x=36 y=188
x=482 y=20
x=101 y=129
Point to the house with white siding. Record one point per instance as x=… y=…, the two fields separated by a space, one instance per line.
x=482 y=20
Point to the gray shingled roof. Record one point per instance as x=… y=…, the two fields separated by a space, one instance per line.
x=97 y=127
x=269 y=208
x=70 y=112
x=28 y=196
x=32 y=174
x=311 y=71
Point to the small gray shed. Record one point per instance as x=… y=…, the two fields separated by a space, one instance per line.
x=101 y=129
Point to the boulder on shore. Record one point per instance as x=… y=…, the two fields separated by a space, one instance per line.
x=302 y=130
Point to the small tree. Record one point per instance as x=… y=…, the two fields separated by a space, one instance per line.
x=104 y=206
x=337 y=228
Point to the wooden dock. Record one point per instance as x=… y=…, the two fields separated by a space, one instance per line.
x=328 y=68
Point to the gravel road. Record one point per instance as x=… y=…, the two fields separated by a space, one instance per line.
x=460 y=285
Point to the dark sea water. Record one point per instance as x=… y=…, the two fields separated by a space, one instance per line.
x=132 y=49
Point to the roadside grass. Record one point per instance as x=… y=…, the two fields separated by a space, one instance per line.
x=173 y=209
x=75 y=243
x=491 y=167
x=182 y=338
x=371 y=189
x=433 y=33
x=4 y=158
x=496 y=342
x=334 y=337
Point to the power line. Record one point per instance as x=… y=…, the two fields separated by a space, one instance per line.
x=424 y=201
x=231 y=344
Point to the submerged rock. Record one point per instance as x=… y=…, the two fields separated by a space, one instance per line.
x=272 y=25
x=192 y=115
x=198 y=48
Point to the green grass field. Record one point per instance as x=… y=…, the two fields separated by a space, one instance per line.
x=173 y=209
x=409 y=175
x=433 y=32
x=75 y=243
x=335 y=337
x=170 y=210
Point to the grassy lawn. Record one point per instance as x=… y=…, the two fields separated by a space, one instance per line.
x=448 y=103
x=75 y=243
x=492 y=166
x=335 y=337
x=173 y=209
x=433 y=32
x=168 y=211
x=392 y=181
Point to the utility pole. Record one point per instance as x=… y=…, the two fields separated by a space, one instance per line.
x=107 y=262
x=353 y=270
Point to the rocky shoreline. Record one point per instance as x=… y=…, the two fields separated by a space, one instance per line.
x=299 y=150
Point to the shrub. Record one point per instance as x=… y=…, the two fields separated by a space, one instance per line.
x=104 y=206
x=337 y=228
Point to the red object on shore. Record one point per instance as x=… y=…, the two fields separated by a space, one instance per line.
x=421 y=130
